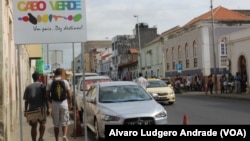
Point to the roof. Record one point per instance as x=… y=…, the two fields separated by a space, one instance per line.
x=106 y=56
x=133 y=51
x=221 y=14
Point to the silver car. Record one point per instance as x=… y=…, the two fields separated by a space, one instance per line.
x=121 y=103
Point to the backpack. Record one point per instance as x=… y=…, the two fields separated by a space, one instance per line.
x=43 y=88
x=58 y=90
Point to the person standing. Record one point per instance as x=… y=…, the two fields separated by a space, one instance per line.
x=142 y=81
x=238 y=81
x=35 y=98
x=210 y=84
x=60 y=103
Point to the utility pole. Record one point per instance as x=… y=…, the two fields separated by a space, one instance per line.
x=214 y=53
x=139 y=43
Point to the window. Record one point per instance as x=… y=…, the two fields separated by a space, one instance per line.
x=223 y=47
x=187 y=63
x=167 y=55
x=180 y=62
x=168 y=67
x=223 y=51
x=173 y=67
x=195 y=49
x=195 y=54
x=186 y=50
x=195 y=62
x=179 y=52
x=172 y=53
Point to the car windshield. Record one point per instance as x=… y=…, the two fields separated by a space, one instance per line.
x=112 y=94
x=156 y=83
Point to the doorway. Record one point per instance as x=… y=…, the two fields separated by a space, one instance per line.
x=242 y=69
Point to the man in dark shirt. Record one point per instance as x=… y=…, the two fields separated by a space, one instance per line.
x=35 y=99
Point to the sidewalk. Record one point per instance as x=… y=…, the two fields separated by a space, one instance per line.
x=49 y=132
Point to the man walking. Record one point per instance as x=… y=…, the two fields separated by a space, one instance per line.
x=35 y=100
x=142 y=81
x=59 y=92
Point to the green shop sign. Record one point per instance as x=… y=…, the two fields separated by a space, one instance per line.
x=39 y=66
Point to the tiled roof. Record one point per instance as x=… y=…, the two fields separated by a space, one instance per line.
x=221 y=14
x=133 y=51
x=106 y=56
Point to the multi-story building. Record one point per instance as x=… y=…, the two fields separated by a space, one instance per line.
x=125 y=49
x=199 y=47
x=104 y=62
x=91 y=48
x=153 y=57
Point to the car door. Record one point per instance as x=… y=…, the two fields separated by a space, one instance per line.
x=91 y=104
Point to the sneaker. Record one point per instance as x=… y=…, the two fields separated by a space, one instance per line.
x=40 y=139
x=65 y=138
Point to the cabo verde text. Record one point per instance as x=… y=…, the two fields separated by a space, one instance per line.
x=161 y=134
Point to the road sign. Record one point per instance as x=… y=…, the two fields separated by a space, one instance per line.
x=179 y=67
x=46 y=68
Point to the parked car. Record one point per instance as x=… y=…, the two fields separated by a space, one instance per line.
x=74 y=80
x=165 y=92
x=83 y=86
x=121 y=103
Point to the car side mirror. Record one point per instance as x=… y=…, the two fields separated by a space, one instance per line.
x=91 y=100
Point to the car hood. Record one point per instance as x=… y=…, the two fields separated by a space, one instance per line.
x=131 y=109
x=160 y=90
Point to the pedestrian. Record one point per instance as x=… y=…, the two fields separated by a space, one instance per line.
x=223 y=83
x=142 y=81
x=210 y=84
x=35 y=100
x=61 y=102
x=238 y=81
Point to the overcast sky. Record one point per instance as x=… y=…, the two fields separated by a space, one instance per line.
x=108 y=18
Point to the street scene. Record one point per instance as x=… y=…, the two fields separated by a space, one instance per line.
x=213 y=110
x=71 y=68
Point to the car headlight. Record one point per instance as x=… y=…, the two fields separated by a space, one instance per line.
x=171 y=93
x=161 y=114
x=110 y=118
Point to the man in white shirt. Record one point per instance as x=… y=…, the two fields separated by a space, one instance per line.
x=142 y=81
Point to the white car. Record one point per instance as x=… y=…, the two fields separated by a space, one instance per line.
x=121 y=103
x=83 y=86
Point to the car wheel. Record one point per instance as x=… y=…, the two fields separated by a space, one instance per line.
x=97 y=134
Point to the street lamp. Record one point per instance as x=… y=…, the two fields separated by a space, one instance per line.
x=139 y=43
x=214 y=54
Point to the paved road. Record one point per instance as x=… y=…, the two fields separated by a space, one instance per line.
x=49 y=134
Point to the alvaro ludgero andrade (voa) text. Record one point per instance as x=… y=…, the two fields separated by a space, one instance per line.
x=181 y=132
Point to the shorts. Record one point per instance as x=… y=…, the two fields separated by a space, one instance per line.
x=60 y=114
x=37 y=117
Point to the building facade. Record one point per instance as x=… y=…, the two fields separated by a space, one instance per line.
x=91 y=48
x=237 y=45
x=124 y=51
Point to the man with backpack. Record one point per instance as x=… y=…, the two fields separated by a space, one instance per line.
x=58 y=90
